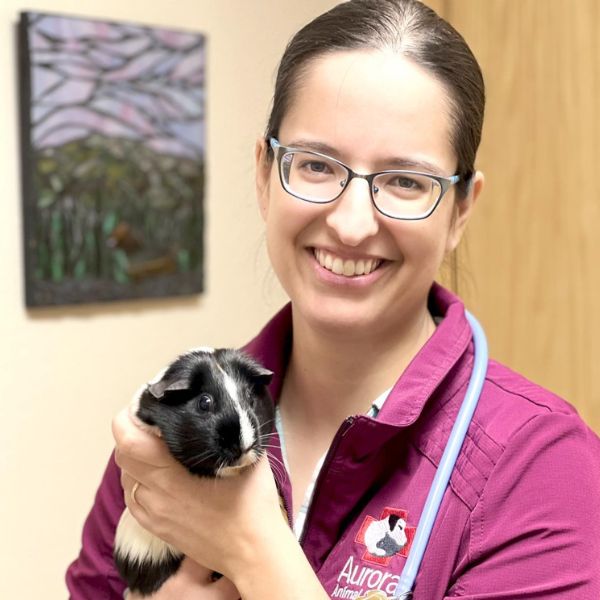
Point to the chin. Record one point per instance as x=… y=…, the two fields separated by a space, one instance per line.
x=340 y=316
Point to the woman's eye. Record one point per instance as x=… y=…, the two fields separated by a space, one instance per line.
x=315 y=166
x=406 y=183
x=204 y=402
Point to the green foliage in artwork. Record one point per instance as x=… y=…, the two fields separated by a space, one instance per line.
x=110 y=222
x=113 y=209
x=183 y=258
x=79 y=271
x=121 y=266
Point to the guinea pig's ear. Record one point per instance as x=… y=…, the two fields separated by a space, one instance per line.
x=393 y=521
x=247 y=366
x=159 y=388
x=260 y=375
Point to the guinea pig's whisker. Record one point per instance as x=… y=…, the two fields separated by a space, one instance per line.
x=205 y=454
x=263 y=438
x=271 y=446
x=268 y=426
x=270 y=431
x=222 y=465
x=200 y=458
x=278 y=471
x=276 y=464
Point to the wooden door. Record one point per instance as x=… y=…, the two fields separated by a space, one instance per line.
x=530 y=269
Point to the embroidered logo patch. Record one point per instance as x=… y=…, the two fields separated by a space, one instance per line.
x=385 y=537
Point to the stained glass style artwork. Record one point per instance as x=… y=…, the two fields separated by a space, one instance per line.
x=113 y=119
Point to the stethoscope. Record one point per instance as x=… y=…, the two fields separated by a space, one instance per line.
x=444 y=471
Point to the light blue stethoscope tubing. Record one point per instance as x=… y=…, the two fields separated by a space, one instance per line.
x=444 y=471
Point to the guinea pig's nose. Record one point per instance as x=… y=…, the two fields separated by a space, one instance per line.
x=229 y=435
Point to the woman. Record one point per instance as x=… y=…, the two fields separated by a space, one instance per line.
x=370 y=382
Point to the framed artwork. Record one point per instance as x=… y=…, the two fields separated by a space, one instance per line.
x=112 y=120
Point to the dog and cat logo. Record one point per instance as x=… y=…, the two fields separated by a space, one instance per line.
x=382 y=539
x=385 y=537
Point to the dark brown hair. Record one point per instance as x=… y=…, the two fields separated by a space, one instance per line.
x=410 y=28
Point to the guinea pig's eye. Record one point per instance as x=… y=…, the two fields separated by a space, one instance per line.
x=204 y=402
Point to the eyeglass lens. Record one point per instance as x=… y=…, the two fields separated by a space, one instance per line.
x=317 y=179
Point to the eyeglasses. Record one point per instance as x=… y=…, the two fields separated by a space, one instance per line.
x=398 y=194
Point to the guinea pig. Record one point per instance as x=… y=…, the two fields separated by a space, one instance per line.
x=214 y=412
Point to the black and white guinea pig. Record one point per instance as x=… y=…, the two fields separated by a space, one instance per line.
x=213 y=410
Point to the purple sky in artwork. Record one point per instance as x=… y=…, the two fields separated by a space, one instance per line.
x=116 y=79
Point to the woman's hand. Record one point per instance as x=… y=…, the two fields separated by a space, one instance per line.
x=218 y=523
x=192 y=582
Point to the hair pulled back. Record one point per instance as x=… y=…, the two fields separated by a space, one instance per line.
x=409 y=28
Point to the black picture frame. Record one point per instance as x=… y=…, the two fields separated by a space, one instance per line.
x=113 y=159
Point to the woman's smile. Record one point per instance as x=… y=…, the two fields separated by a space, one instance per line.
x=348 y=267
x=337 y=269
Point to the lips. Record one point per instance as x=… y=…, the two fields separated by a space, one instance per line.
x=347 y=267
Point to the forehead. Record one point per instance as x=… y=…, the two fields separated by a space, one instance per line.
x=369 y=104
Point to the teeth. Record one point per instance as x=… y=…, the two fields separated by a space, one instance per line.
x=360 y=267
x=347 y=267
x=338 y=266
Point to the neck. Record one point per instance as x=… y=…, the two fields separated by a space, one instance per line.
x=332 y=375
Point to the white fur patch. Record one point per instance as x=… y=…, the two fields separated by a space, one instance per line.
x=134 y=407
x=247 y=459
x=133 y=542
x=208 y=349
x=246 y=430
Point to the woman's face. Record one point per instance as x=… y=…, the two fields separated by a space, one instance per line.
x=372 y=110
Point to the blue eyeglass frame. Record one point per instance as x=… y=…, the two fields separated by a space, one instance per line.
x=445 y=183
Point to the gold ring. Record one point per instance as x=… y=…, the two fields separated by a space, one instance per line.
x=136 y=485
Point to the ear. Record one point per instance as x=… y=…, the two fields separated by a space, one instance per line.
x=262 y=376
x=463 y=210
x=263 y=175
x=258 y=374
x=159 y=388
x=393 y=521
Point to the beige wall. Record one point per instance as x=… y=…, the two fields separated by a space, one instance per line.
x=65 y=372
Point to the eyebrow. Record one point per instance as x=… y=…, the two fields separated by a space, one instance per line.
x=392 y=162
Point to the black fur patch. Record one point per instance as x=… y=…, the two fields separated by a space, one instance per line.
x=146 y=577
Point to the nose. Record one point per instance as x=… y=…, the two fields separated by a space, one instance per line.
x=228 y=435
x=353 y=216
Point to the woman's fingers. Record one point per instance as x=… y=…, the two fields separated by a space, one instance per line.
x=136 y=446
x=127 y=483
x=130 y=489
